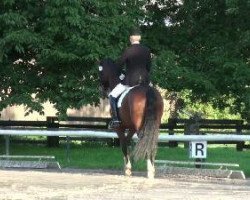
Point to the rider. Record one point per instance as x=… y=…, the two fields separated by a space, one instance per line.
x=137 y=59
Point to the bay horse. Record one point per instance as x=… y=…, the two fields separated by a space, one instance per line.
x=140 y=113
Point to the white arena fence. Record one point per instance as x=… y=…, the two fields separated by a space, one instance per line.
x=106 y=134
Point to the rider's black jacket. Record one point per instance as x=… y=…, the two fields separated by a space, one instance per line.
x=137 y=59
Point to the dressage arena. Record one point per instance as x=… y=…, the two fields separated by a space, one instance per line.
x=108 y=185
x=112 y=185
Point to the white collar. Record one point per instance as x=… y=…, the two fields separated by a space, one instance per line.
x=136 y=42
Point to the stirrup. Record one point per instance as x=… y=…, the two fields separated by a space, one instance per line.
x=114 y=124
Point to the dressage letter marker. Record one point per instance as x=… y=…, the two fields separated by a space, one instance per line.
x=198 y=149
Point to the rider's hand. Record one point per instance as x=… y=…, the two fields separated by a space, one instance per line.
x=122 y=76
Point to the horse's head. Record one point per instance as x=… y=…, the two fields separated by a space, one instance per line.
x=108 y=75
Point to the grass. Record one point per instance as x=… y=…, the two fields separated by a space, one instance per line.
x=92 y=155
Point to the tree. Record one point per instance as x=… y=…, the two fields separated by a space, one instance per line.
x=51 y=49
x=203 y=47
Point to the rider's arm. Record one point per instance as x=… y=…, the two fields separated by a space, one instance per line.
x=148 y=65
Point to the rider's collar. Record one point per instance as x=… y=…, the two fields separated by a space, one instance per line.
x=135 y=42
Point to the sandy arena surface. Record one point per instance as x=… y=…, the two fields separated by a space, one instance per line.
x=108 y=185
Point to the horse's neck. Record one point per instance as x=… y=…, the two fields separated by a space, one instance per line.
x=113 y=82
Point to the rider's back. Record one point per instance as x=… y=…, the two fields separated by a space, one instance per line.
x=137 y=61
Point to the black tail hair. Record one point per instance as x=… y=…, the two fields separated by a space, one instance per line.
x=147 y=145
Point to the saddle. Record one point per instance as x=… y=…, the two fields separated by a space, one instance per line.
x=123 y=94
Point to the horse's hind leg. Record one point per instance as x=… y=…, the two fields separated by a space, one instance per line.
x=127 y=166
x=150 y=167
x=124 y=145
x=127 y=162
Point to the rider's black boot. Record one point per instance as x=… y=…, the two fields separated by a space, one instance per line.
x=115 y=120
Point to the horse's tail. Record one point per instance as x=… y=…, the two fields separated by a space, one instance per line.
x=148 y=135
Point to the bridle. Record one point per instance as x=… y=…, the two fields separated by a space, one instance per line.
x=103 y=84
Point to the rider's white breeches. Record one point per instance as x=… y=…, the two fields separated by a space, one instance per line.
x=119 y=88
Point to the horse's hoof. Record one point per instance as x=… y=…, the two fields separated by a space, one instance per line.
x=151 y=175
x=128 y=172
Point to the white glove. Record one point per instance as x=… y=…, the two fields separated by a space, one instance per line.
x=122 y=76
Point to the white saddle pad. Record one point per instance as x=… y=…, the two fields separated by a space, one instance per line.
x=119 y=103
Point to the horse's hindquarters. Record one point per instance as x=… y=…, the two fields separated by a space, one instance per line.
x=133 y=108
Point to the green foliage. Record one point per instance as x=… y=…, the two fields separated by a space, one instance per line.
x=51 y=49
x=57 y=45
x=206 y=110
x=205 y=49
